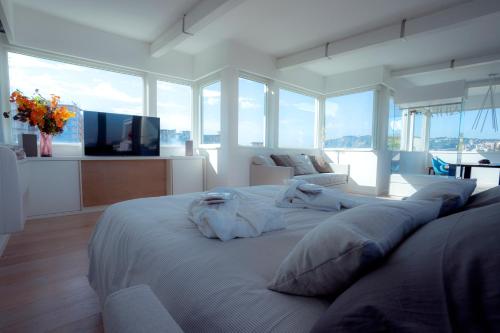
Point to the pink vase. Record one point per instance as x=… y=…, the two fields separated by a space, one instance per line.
x=45 y=145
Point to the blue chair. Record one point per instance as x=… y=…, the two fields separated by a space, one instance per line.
x=441 y=168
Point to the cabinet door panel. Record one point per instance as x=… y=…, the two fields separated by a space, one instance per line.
x=54 y=187
x=187 y=176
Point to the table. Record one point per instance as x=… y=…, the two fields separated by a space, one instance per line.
x=466 y=168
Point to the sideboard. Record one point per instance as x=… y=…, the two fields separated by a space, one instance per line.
x=79 y=184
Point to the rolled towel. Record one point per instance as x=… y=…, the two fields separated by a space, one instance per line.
x=300 y=194
x=236 y=216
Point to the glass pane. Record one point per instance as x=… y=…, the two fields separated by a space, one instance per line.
x=210 y=113
x=444 y=131
x=395 y=126
x=174 y=107
x=482 y=137
x=348 y=121
x=418 y=142
x=251 y=113
x=297 y=120
x=89 y=88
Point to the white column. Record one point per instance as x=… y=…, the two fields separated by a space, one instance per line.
x=383 y=154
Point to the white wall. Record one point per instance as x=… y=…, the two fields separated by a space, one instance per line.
x=244 y=58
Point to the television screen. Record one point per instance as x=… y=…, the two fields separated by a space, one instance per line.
x=111 y=134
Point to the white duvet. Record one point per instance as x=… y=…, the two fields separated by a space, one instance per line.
x=206 y=285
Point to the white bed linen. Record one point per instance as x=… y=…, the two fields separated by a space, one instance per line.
x=206 y=285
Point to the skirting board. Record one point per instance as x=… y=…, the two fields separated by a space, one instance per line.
x=3 y=243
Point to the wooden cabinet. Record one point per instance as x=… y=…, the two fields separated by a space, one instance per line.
x=106 y=182
x=65 y=185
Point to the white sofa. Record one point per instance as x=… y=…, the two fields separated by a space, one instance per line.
x=263 y=171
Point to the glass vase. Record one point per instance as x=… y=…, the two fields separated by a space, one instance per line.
x=45 y=145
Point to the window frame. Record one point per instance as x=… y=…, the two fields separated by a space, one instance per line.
x=267 y=108
x=199 y=87
x=158 y=78
x=317 y=119
x=376 y=91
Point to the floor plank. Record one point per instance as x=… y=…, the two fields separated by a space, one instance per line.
x=43 y=282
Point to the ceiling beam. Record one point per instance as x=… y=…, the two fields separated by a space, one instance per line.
x=448 y=65
x=201 y=15
x=437 y=21
x=7 y=18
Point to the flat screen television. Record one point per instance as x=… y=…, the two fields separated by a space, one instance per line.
x=111 y=134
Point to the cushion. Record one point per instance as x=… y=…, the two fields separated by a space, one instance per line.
x=263 y=160
x=285 y=161
x=320 y=164
x=324 y=179
x=303 y=164
x=484 y=198
x=444 y=278
x=339 y=250
x=453 y=193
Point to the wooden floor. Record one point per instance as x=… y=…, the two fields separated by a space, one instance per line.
x=43 y=283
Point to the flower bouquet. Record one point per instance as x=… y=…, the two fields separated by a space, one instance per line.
x=45 y=114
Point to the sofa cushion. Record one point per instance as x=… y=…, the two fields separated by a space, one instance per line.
x=303 y=165
x=320 y=164
x=263 y=160
x=324 y=179
x=454 y=194
x=444 y=278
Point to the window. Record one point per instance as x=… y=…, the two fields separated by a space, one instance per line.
x=251 y=113
x=297 y=120
x=174 y=108
x=480 y=138
x=395 y=126
x=210 y=113
x=444 y=134
x=349 y=121
x=89 y=88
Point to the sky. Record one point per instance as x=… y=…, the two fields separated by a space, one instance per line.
x=349 y=115
x=251 y=112
x=297 y=120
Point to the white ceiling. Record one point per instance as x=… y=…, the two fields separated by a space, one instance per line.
x=281 y=27
x=139 y=19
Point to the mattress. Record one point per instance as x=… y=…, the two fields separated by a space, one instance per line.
x=207 y=285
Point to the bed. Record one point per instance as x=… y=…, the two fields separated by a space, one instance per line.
x=207 y=285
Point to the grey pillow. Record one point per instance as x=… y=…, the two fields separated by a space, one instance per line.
x=303 y=164
x=453 y=193
x=444 y=278
x=320 y=164
x=484 y=198
x=339 y=250
x=286 y=161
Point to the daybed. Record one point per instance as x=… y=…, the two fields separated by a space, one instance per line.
x=264 y=171
x=443 y=278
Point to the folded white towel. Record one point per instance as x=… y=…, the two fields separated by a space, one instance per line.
x=300 y=194
x=236 y=216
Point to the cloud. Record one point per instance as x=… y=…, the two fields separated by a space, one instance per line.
x=248 y=103
x=331 y=109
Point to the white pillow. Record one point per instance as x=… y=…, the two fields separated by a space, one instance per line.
x=303 y=165
x=453 y=193
x=345 y=246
